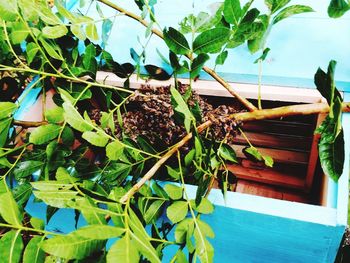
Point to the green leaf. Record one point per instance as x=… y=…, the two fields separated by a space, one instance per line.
x=211 y=41
x=33 y=252
x=157 y=72
x=8 y=10
x=263 y=55
x=46 y=14
x=252 y=153
x=114 y=150
x=71 y=246
x=66 y=13
x=173 y=173
x=28 y=9
x=51 y=49
x=232 y=11
x=159 y=191
x=66 y=97
x=177 y=211
x=226 y=152
x=204 y=21
x=331 y=146
x=204 y=249
x=54 y=32
x=99 y=232
x=189 y=157
x=11 y=247
x=37 y=223
x=115 y=173
x=27 y=168
x=89 y=60
x=48 y=185
x=221 y=58
x=174 y=192
x=183 y=229
x=91 y=31
x=197 y=65
x=275 y=5
x=55 y=115
x=176 y=41
x=21 y=193
x=205 y=207
x=78 y=31
x=59 y=199
x=331 y=154
x=44 y=134
x=141 y=238
x=338 y=8
x=326 y=85
x=96 y=138
x=73 y=117
x=7 y=109
x=180 y=257
x=268 y=160
x=68 y=136
x=31 y=50
x=291 y=10
x=123 y=249
x=18 y=33
x=5 y=126
x=182 y=108
x=9 y=210
x=91 y=212
x=205 y=229
x=153 y=211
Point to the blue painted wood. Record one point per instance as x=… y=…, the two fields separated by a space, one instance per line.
x=299 y=45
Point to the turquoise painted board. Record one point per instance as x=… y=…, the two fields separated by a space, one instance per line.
x=299 y=45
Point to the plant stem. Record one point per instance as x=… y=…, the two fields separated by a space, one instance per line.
x=211 y=72
x=160 y=162
x=293 y=110
x=72 y=79
x=22 y=228
x=29 y=124
x=306 y=109
x=259 y=83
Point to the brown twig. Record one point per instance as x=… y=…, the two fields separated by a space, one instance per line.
x=306 y=109
x=29 y=124
x=211 y=72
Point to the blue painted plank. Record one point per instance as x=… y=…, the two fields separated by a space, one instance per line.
x=299 y=45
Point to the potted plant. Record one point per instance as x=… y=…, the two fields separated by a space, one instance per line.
x=121 y=159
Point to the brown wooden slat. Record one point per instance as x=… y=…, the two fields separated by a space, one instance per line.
x=279 y=127
x=259 y=189
x=283 y=156
x=313 y=158
x=267 y=176
x=275 y=141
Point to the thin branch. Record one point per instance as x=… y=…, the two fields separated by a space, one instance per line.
x=306 y=109
x=211 y=72
x=29 y=124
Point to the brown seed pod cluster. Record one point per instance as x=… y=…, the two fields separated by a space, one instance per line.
x=151 y=114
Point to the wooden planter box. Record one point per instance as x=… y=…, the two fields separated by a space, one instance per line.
x=290 y=213
x=299 y=215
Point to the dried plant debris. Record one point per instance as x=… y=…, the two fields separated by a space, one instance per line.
x=151 y=114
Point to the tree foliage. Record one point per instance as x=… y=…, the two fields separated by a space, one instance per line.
x=74 y=162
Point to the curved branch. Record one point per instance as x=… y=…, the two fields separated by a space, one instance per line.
x=305 y=109
x=211 y=72
x=29 y=124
